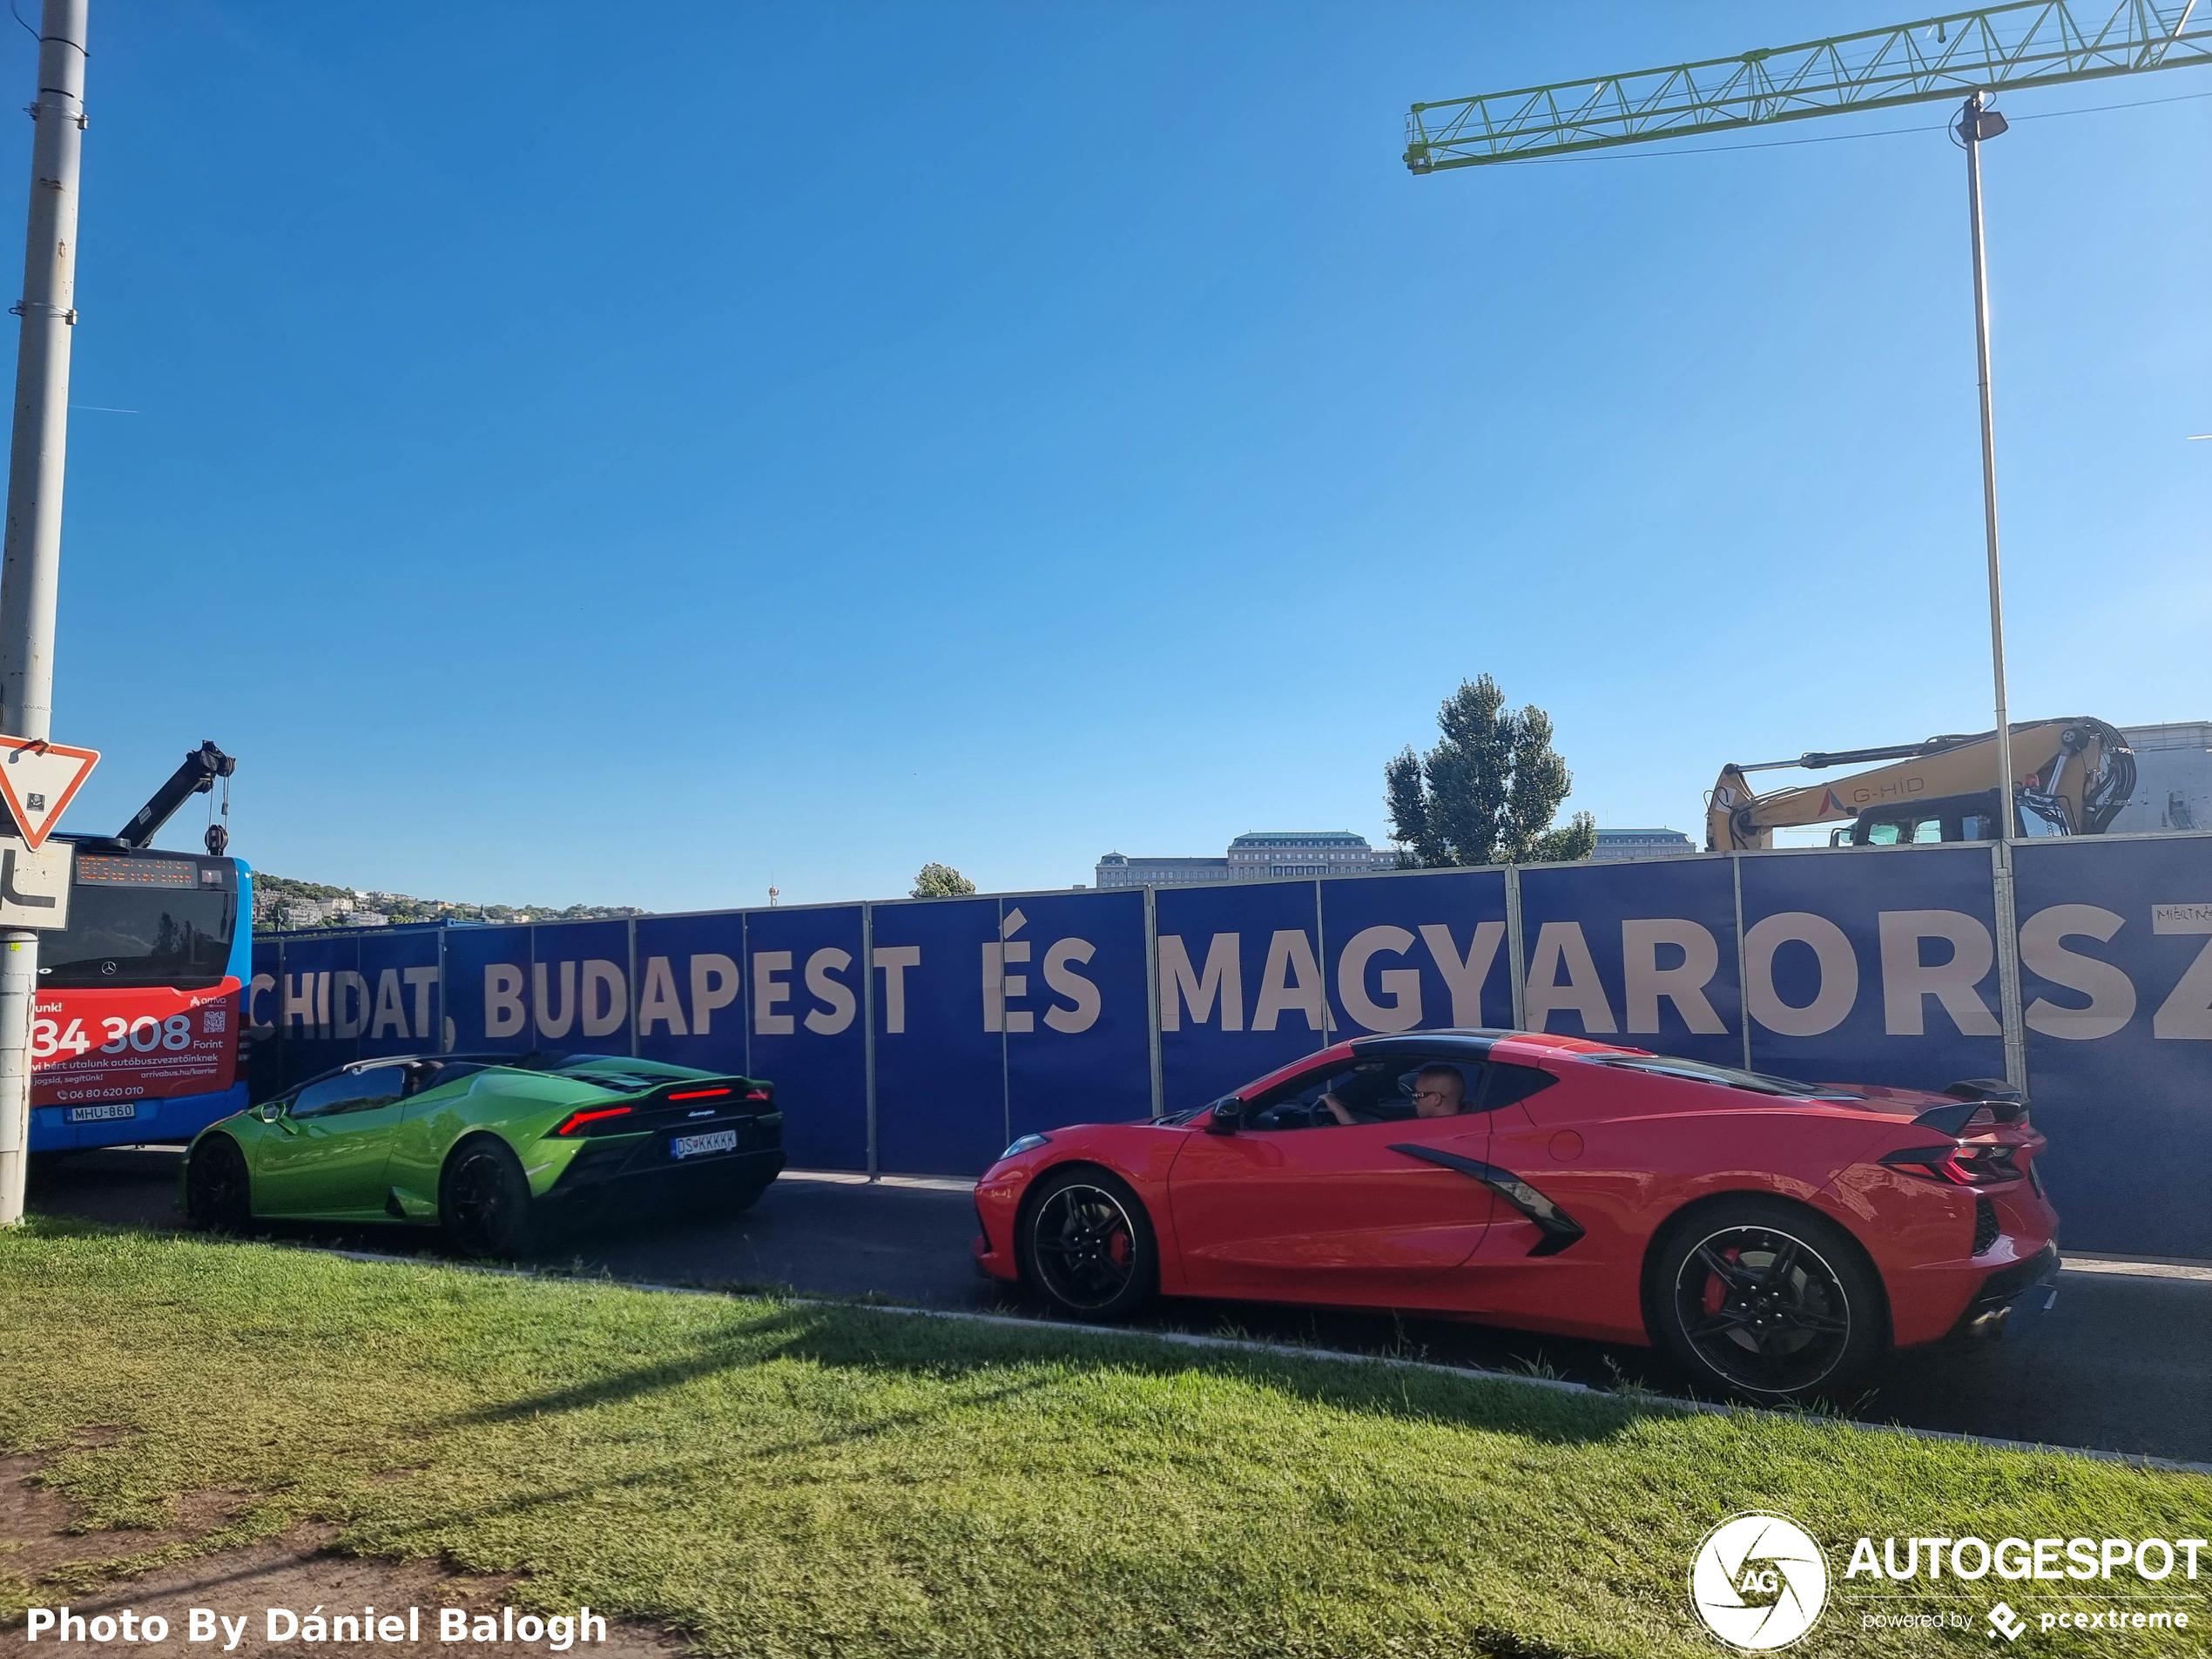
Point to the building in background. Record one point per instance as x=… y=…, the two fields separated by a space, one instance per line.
x=1273 y=853
x=1253 y=858
x=1118 y=870
x=2173 y=779
x=1616 y=844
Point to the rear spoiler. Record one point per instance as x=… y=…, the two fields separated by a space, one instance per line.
x=1975 y=1096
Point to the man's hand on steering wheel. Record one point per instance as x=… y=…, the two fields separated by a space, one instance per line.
x=1329 y=1109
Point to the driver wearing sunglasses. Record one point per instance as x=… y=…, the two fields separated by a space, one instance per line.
x=1438 y=1091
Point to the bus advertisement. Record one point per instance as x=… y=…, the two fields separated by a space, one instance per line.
x=135 y=1037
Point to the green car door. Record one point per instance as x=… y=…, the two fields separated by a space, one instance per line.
x=323 y=1152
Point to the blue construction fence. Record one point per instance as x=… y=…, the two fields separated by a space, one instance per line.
x=919 y=1037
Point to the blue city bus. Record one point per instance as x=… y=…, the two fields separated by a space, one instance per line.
x=135 y=1036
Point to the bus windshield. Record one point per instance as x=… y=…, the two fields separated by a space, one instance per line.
x=124 y=937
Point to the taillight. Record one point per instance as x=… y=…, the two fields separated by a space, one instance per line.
x=576 y=1121
x=700 y=1094
x=757 y=1094
x=1981 y=1165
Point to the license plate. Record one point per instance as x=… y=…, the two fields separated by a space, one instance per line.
x=102 y=1113
x=692 y=1146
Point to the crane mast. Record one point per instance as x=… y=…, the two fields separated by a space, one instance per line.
x=2037 y=43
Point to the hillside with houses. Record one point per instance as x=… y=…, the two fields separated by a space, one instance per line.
x=282 y=905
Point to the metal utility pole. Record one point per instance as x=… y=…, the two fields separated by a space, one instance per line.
x=1977 y=122
x=31 y=568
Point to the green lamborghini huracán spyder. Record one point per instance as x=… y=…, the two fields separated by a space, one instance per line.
x=485 y=1145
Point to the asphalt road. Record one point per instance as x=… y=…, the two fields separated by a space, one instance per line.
x=2123 y=1363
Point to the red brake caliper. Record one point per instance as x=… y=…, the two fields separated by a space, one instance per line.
x=1715 y=1293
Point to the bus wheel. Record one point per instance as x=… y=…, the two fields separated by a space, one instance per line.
x=219 y=1190
x=484 y=1200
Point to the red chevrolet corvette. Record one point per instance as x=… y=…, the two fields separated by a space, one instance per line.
x=1777 y=1237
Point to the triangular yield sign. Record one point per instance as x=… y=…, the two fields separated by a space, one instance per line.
x=39 y=779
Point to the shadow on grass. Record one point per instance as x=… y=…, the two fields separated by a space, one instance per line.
x=948 y=1350
x=853 y=1337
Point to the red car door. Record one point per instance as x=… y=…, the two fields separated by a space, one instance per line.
x=1295 y=1206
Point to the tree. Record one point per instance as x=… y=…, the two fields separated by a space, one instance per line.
x=941 y=881
x=1489 y=790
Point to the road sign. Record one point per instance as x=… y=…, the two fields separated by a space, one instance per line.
x=38 y=779
x=34 y=884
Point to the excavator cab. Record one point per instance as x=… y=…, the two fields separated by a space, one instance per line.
x=1954 y=818
x=1950 y=818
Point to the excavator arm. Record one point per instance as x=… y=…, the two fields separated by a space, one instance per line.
x=2073 y=775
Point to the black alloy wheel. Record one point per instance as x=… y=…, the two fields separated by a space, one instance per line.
x=484 y=1201
x=1770 y=1302
x=218 y=1188
x=1086 y=1245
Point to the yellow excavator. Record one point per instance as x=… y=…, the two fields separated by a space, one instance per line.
x=2072 y=777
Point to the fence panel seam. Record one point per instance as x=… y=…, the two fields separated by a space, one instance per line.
x=1743 y=961
x=1152 y=1001
x=867 y=1049
x=2004 y=914
x=1516 y=956
x=1006 y=1057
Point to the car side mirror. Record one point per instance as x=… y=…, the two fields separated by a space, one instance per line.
x=269 y=1111
x=1228 y=1114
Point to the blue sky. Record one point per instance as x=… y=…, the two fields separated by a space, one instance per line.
x=579 y=461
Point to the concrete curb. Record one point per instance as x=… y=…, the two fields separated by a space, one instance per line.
x=2187 y=1272
x=1278 y=1349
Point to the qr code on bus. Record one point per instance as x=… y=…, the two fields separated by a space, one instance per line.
x=214 y=1018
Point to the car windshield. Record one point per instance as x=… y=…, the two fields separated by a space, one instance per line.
x=1697 y=1071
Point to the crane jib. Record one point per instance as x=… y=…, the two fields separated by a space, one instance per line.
x=2036 y=43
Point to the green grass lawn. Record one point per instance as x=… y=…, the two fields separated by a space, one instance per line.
x=777 y=1479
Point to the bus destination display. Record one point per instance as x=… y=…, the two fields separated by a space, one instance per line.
x=107 y=870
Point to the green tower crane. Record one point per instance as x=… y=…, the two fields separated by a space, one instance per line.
x=2038 y=43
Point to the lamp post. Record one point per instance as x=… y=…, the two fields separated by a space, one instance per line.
x=1976 y=123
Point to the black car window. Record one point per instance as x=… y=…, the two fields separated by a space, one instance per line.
x=1378 y=1089
x=1289 y=1104
x=350 y=1091
x=1409 y=1083
x=1509 y=1084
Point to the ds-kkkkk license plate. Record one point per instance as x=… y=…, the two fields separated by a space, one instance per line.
x=692 y=1146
